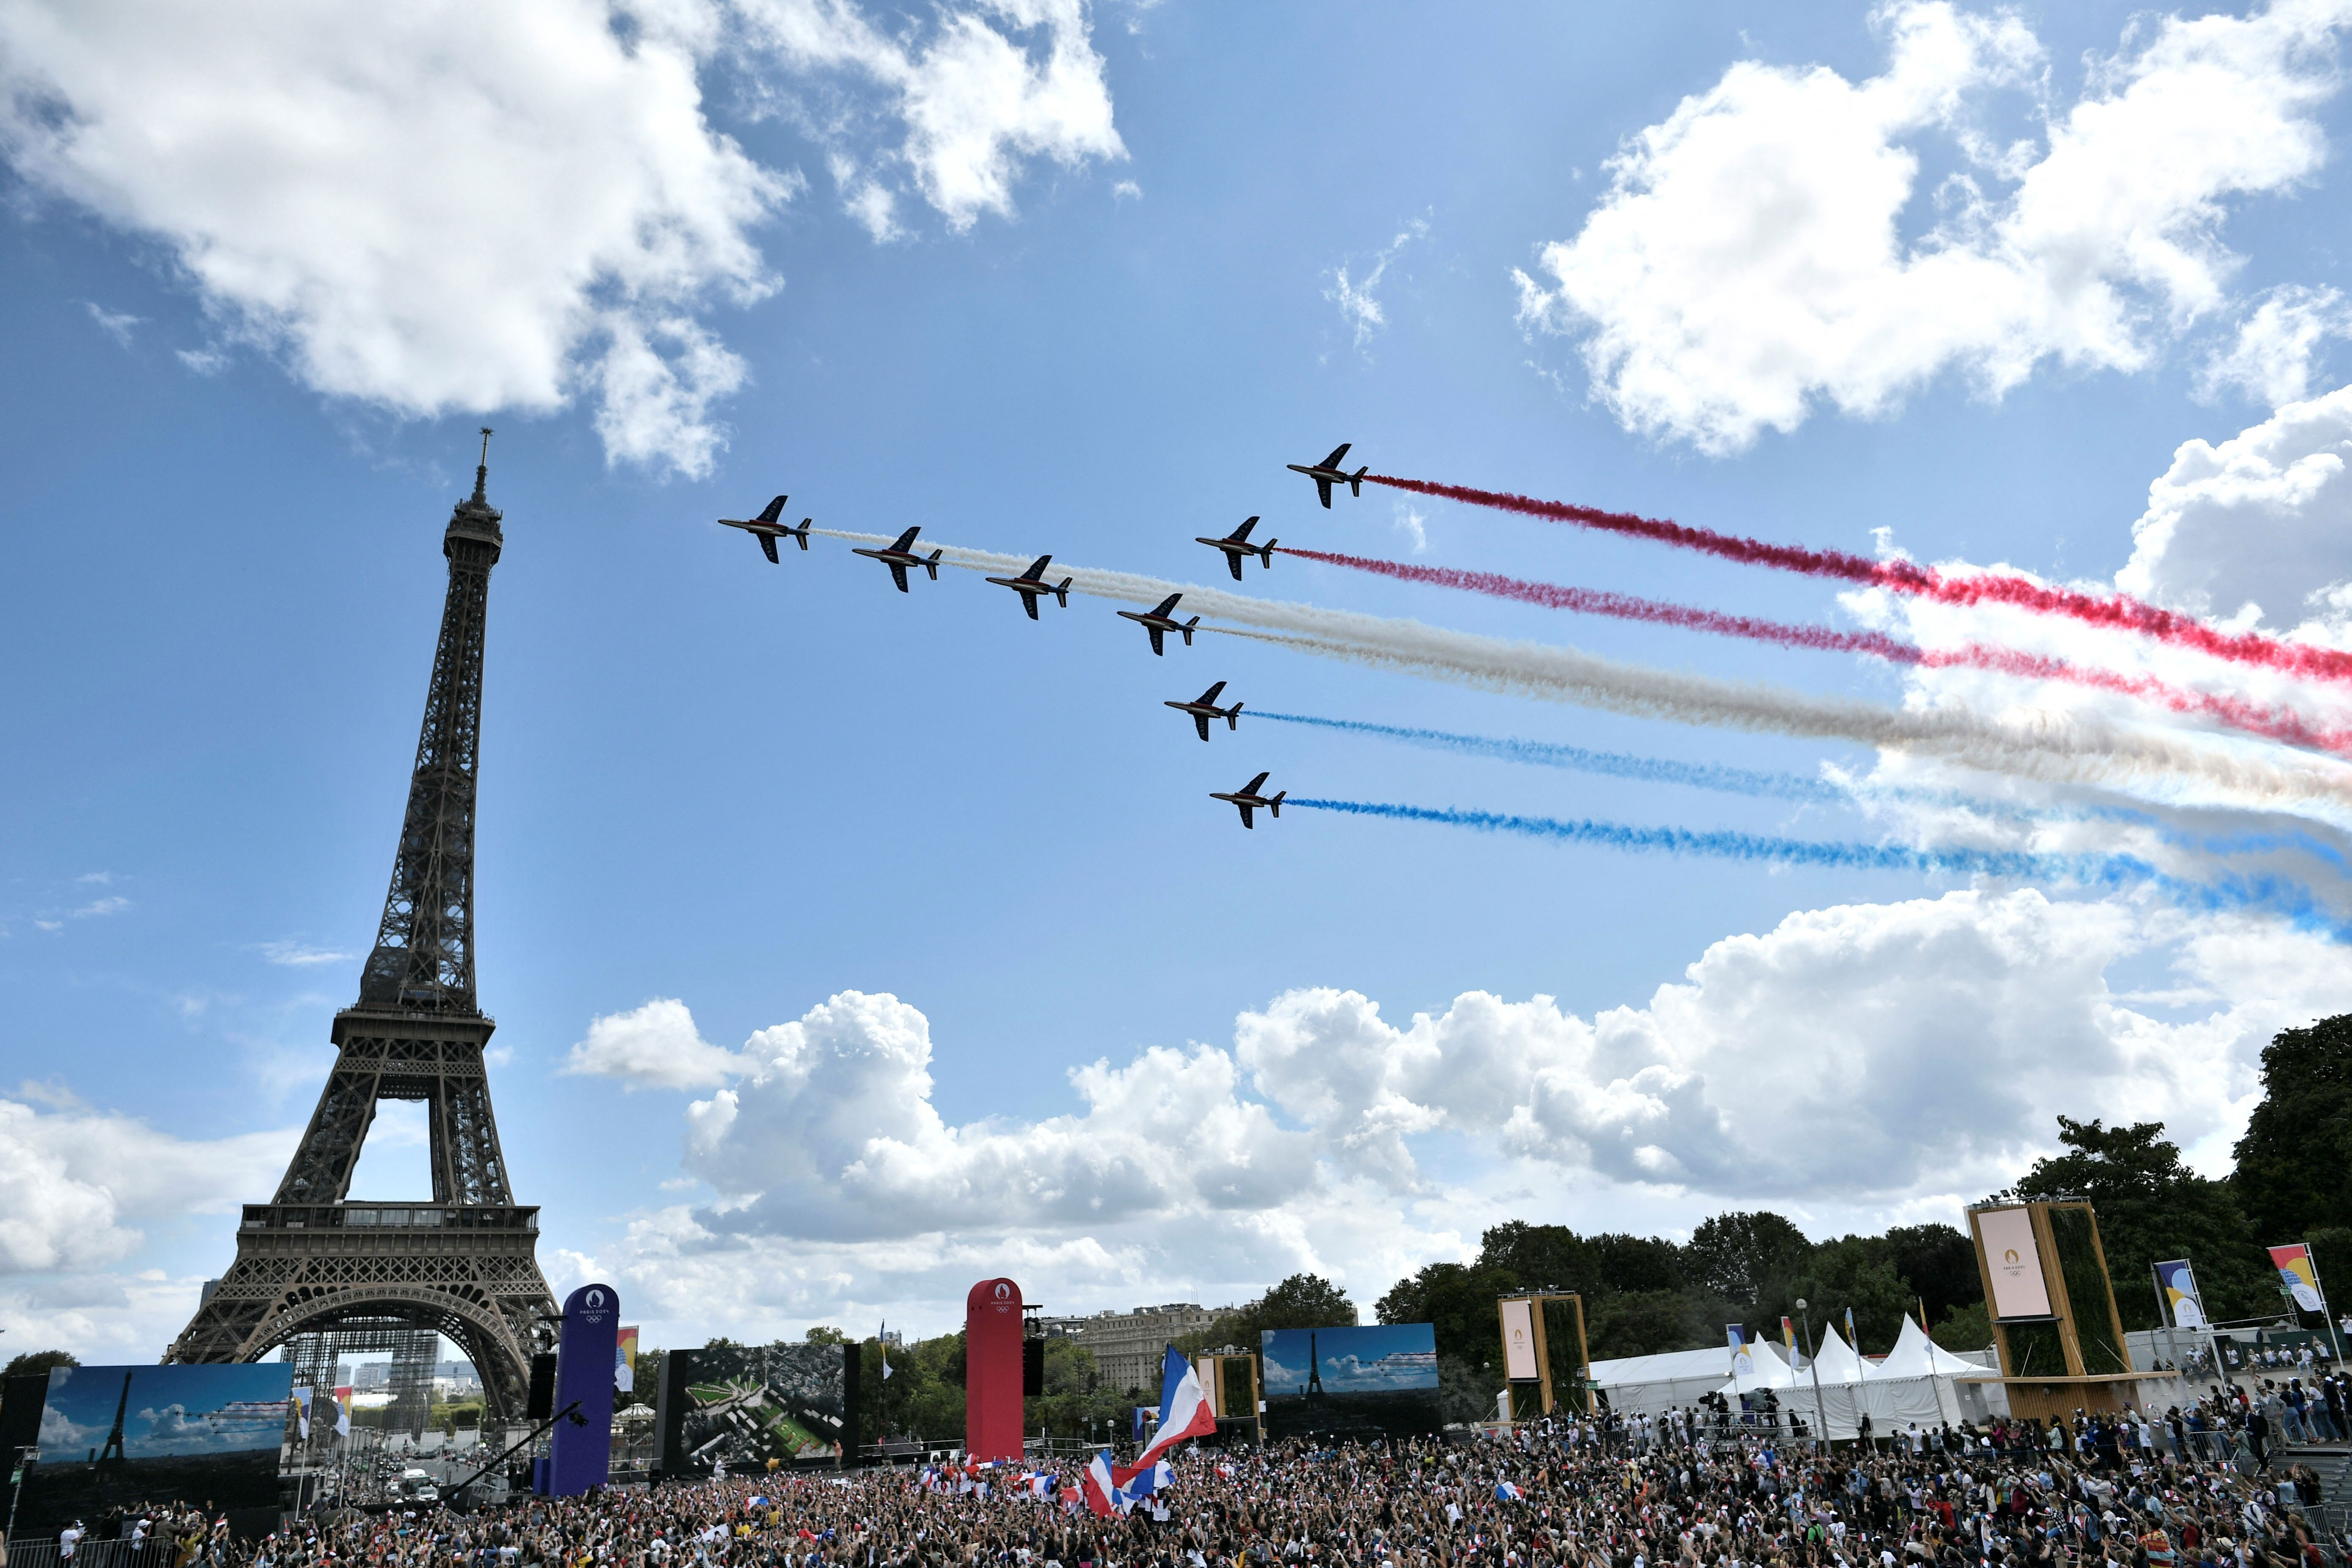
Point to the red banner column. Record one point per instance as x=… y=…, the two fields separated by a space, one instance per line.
x=992 y=1371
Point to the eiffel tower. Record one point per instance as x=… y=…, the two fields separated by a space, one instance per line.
x=312 y=1264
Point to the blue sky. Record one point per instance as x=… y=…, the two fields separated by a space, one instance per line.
x=847 y=946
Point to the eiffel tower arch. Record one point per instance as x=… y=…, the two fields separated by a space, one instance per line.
x=463 y=1263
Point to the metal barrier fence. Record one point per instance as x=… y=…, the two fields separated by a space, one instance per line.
x=91 y=1554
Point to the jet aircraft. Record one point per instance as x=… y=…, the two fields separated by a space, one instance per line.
x=901 y=555
x=767 y=530
x=1204 y=708
x=1237 y=547
x=1031 y=583
x=1247 y=798
x=1328 y=472
x=1160 y=621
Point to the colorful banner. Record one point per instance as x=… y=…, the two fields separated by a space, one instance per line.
x=624 y=1360
x=2012 y=1264
x=2185 y=1307
x=1789 y=1338
x=2299 y=1275
x=1519 y=1342
x=1853 y=1340
x=1743 y=1360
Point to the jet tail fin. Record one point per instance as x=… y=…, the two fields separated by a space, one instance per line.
x=802 y=534
x=1063 y=592
x=1187 y=629
x=1233 y=719
x=1266 y=552
x=1356 y=480
x=932 y=566
x=1275 y=805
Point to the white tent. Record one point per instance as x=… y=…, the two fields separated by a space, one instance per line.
x=1651 y=1384
x=1912 y=1385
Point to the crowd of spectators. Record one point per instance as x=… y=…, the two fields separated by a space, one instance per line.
x=1687 y=1490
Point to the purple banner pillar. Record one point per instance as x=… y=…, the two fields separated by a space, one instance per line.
x=582 y=1456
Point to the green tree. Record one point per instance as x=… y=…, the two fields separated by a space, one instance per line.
x=1967 y=1328
x=2151 y=1207
x=38 y=1362
x=1650 y=1322
x=822 y=1335
x=1940 y=1264
x=1301 y=1301
x=1854 y=1272
x=1459 y=1302
x=1746 y=1257
x=2295 y=1163
x=1541 y=1256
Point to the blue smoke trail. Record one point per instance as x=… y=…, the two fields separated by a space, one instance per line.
x=2268 y=894
x=1799 y=786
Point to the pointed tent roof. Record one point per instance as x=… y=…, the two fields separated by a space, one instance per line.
x=1916 y=1355
x=1838 y=1362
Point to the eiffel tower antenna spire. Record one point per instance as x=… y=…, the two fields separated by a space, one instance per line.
x=463 y=1263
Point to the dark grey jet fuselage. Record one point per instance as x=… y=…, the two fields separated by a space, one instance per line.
x=1031 y=583
x=767 y=530
x=1328 y=472
x=1158 y=622
x=1238 y=548
x=901 y=555
x=1204 y=708
x=1248 y=799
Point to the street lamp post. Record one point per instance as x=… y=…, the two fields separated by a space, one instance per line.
x=1821 y=1412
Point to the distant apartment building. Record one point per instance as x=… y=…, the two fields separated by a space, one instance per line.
x=1128 y=1347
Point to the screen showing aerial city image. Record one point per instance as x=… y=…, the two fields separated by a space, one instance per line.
x=1379 y=1379
x=742 y=1405
x=114 y=1436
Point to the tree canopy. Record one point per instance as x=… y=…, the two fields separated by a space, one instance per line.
x=2295 y=1163
x=31 y=1363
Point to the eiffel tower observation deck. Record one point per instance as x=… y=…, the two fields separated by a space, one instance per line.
x=463 y=1263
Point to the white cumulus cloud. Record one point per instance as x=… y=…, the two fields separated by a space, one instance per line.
x=1748 y=259
x=430 y=207
x=653 y=1046
x=2271 y=357
x=1850 y=1064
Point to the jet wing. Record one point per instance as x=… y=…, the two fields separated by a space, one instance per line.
x=1167 y=604
x=1200 y=723
x=1153 y=631
x=1037 y=568
x=1242 y=532
x=898 y=574
x=1252 y=788
x=1210 y=695
x=775 y=509
x=1029 y=603
x=1245 y=815
x=1323 y=488
x=1339 y=455
x=1234 y=560
x=768 y=543
x=906 y=539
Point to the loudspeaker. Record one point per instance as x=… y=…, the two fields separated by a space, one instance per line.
x=543 y=1387
x=1033 y=1366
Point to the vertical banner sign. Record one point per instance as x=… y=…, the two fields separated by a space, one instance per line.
x=1519 y=1342
x=993 y=1424
x=581 y=1457
x=1789 y=1338
x=624 y=1360
x=1743 y=1360
x=2013 y=1264
x=2299 y=1274
x=2181 y=1302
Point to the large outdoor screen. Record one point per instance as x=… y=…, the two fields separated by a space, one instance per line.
x=1359 y=1382
x=2012 y=1263
x=743 y=1406
x=117 y=1435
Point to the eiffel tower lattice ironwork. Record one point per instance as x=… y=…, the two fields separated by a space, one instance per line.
x=464 y=1264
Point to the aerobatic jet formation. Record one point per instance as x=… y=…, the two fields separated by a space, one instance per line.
x=1031 y=583
x=1248 y=799
x=1158 y=622
x=901 y=555
x=1328 y=472
x=1238 y=548
x=767 y=530
x=1204 y=708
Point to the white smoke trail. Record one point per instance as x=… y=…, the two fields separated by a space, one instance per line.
x=2041 y=743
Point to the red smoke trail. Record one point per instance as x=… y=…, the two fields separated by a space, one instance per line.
x=2117 y=611
x=2275 y=724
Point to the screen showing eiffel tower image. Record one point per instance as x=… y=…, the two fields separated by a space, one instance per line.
x=1379 y=1379
x=115 y=1436
x=746 y=1404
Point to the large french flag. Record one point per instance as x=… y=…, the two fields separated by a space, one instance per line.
x=1183 y=1408
x=1101 y=1492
